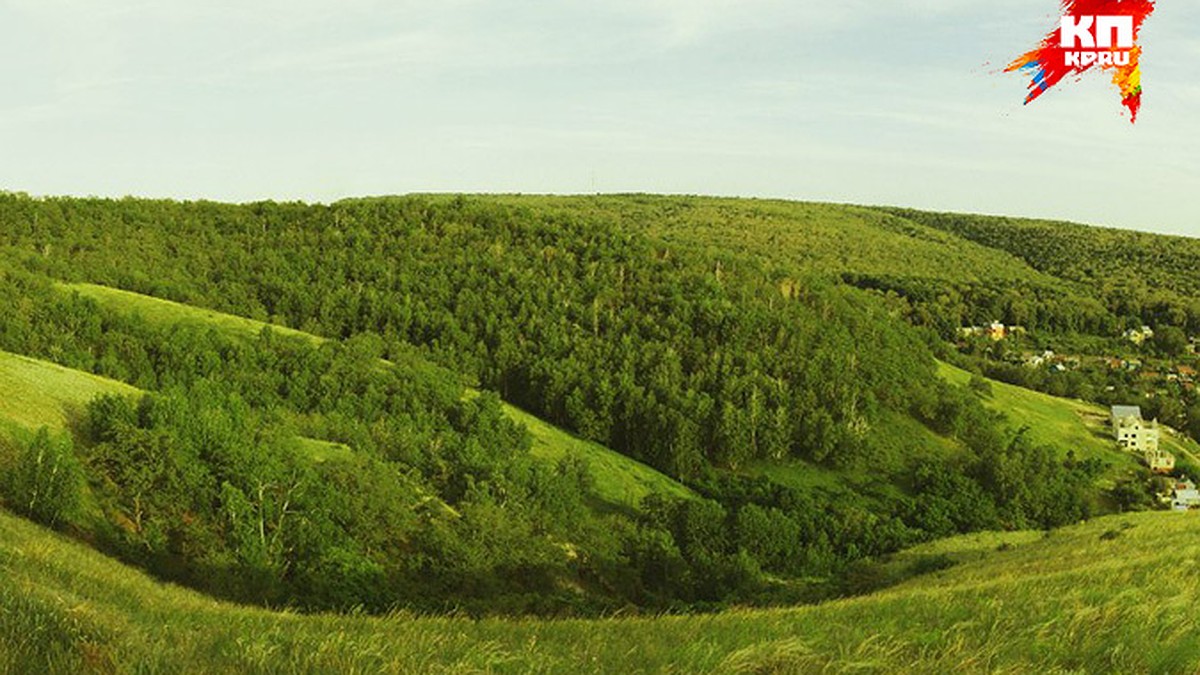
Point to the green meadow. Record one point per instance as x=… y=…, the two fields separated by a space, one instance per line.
x=165 y=311
x=1065 y=424
x=1116 y=594
x=36 y=393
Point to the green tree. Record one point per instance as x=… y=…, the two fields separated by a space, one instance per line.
x=47 y=482
x=1170 y=340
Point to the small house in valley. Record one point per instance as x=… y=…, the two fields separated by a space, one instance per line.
x=1185 y=496
x=1132 y=432
x=1037 y=360
x=1159 y=461
x=1138 y=335
x=996 y=331
x=1141 y=438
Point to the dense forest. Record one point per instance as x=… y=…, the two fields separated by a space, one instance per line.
x=649 y=325
x=1137 y=277
x=670 y=357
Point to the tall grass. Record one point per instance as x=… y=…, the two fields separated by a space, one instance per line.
x=1078 y=600
x=35 y=393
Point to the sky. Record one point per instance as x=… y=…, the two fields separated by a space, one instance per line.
x=860 y=101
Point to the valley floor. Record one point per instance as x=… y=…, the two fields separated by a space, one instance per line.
x=1115 y=594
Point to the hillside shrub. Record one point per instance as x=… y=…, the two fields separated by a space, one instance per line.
x=46 y=483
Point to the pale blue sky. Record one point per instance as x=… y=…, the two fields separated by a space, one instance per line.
x=864 y=101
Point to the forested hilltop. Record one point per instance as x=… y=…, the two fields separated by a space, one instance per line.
x=718 y=341
x=1148 y=276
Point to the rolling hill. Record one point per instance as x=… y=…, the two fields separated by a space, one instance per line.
x=824 y=238
x=777 y=357
x=619 y=480
x=1082 y=254
x=1061 y=423
x=1113 y=595
x=1066 y=424
x=37 y=393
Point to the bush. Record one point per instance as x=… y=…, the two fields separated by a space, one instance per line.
x=980 y=386
x=927 y=564
x=46 y=483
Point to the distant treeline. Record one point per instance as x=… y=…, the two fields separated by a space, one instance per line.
x=1116 y=278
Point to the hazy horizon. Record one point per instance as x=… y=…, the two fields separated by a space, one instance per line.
x=335 y=200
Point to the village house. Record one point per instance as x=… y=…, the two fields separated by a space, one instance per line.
x=1138 y=335
x=996 y=331
x=1132 y=432
x=1159 y=461
x=1185 y=495
x=1035 y=360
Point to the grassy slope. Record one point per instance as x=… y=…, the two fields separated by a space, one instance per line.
x=905 y=442
x=1066 y=424
x=619 y=480
x=36 y=393
x=1063 y=423
x=40 y=393
x=323 y=451
x=1045 y=603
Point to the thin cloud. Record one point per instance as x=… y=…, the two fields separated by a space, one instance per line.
x=859 y=99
